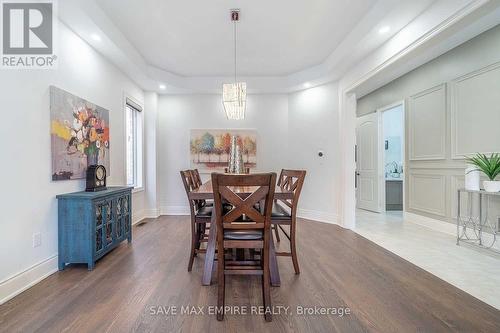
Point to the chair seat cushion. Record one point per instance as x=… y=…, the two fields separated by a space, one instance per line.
x=279 y=213
x=204 y=212
x=243 y=235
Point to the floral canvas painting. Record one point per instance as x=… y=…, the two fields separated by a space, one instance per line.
x=79 y=135
x=209 y=148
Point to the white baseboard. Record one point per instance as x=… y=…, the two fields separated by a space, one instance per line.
x=21 y=281
x=431 y=223
x=318 y=216
x=175 y=210
x=18 y=283
x=137 y=216
x=151 y=213
x=302 y=213
x=144 y=214
x=444 y=227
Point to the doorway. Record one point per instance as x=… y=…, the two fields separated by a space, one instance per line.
x=380 y=159
x=393 y=148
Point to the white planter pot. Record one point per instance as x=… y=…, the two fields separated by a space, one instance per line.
x=472 y=178
x=491 y=186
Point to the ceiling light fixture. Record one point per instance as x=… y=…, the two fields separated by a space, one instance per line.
x=307 y=85
x=96 y=37
x=384 y=29
x=234 y=95
x=162 y=86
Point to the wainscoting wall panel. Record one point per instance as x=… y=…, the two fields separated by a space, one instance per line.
x=428 y=193
x=475 y=113
x=444 y=124
x=427 y=124
x=454 y=99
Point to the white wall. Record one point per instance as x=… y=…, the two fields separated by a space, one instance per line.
x=478 y=52
x=152 y=186
x=292 y=129
x=289 y=136
x=268 y=114
x=313 y=126
x=27 y=199
x=451 y=109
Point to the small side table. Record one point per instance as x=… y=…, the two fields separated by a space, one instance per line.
x=476 y=229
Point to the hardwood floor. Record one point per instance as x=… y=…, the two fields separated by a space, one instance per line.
x=131 y=285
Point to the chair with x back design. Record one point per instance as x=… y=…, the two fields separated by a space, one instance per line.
x=285 y=211
x=244 y=226
x=201 y=215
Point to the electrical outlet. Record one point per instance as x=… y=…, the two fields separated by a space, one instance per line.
x=37 y=239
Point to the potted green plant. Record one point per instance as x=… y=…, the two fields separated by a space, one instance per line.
x=490 y=166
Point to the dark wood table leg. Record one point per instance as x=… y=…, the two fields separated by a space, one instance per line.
x=210 y=254
x=273 y=264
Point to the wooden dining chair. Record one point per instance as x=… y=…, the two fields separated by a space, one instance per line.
x=243 y=227
x=196 y=178
x=197 y=182
x=201 y=215
x=289 y=180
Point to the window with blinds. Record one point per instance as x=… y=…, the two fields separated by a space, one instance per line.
x=133 y=141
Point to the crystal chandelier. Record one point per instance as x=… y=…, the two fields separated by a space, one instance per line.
x=234 y=95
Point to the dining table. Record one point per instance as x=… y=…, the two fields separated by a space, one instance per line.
x=205 y=192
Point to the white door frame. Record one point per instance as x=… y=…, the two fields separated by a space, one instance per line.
x=380 y=111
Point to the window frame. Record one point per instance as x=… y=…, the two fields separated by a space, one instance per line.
x=136 y=187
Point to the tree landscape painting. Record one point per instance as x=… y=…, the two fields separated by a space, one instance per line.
x=79 y=135
x=210 y=148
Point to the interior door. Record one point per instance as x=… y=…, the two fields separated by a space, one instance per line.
x=367 y=162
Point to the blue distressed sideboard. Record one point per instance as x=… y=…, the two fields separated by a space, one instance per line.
x=93 y=223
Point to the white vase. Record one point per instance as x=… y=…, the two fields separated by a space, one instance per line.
x=491 y=186
x=472 y=178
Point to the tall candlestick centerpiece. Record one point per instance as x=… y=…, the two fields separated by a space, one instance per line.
x=236 y=164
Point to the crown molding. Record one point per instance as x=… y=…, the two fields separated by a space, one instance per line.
x=85 y=17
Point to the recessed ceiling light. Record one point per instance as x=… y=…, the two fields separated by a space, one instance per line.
x=384 y=29
x=307 y=85
x=162 y=86
x=96 y=37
